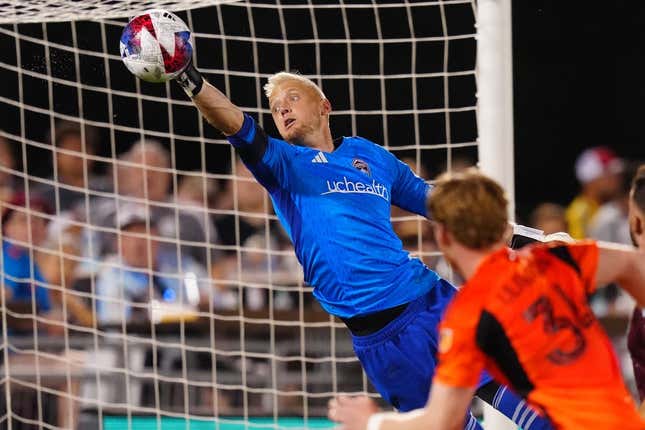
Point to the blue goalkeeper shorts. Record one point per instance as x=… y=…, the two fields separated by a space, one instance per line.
x=400 y=358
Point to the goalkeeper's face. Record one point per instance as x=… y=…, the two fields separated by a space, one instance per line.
x=299 y=112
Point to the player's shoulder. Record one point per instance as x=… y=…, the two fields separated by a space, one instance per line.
x=557 y=248
x=284 y=147
x=491 y=275
x=471 y=299
x=357 y=141
x=580 y=256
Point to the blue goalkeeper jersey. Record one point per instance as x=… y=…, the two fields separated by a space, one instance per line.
x=335 y=208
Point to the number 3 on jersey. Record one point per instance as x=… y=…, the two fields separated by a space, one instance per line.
x=554 y=324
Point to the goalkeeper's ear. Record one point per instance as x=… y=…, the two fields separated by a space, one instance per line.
x=190 y=80
x=325 y=109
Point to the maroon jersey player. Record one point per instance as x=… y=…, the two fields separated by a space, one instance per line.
x=636 y=336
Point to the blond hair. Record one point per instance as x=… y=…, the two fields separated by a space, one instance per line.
x=472 y=207
x=281 y=77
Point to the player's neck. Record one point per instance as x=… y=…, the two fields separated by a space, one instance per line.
x=320 y=140
x=469 y=259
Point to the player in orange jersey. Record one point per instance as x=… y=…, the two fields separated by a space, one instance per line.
x=521 y=315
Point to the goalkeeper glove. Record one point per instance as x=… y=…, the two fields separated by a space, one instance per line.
x=190 y=80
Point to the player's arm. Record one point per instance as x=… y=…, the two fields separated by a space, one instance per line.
x=248 y=138
x=218 y=110
x=446 y=410
x=409 y=191
x=623 y=265
x=239 y=128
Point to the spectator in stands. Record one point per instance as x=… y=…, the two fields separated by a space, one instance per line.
x=145 y=171
x=22 y=229
x=250 y=232
x=144 y=176
x=195 y=189
x=143 y=271
x=195 y=193
x=58 y=261
x=549 y=217
x=7 y=162
x=597 y=170
x=30 y=270
x=611 y=222
x=252 y=207
x=73 y=176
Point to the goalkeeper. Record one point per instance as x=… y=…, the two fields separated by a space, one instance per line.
x=333 y=197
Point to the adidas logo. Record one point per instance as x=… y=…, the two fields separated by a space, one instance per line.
x=319 y=158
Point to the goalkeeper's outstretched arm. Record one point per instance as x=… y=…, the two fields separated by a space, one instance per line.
x=218 y=110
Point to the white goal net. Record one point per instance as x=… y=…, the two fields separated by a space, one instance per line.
x=146 y=280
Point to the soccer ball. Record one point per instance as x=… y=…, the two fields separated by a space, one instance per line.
x=156 y=46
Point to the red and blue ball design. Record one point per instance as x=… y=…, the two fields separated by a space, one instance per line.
x=156 y=46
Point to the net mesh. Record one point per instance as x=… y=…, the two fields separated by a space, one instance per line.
x=12 y=11
x=174 y=293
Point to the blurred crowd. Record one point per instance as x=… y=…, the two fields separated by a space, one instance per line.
x=139 y=242
x=143 y=241
x=599 y=211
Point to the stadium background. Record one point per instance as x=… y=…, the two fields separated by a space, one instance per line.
x=577 y=84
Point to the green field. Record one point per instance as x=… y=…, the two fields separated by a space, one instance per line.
x=232 y=423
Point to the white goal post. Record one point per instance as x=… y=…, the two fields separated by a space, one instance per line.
x=495 y=117
x=495 y=93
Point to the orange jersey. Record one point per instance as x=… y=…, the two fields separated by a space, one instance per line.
x=525 y=318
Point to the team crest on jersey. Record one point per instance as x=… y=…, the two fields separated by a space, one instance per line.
x=362 y=166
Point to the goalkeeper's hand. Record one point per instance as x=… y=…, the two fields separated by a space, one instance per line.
x=190 y=80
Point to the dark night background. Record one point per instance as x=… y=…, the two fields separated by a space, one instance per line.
x=577 y=83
